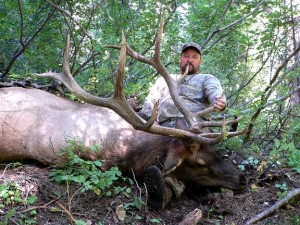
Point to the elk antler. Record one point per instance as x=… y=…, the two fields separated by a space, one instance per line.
x=117 y=102
x=191 y=117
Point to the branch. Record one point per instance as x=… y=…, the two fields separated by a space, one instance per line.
x=72 y=219
x=21 y=23
x=243 y=18
x=268 y=91
x=283 y=65
x=40 y=207
x=25 y=45
x=217 y=30
x=269 y=103
x=93 y=54
x=69 y=15
x=253 y=76
x=282 y=98
x=273 y=208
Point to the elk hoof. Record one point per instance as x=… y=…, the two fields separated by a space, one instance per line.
x=155 y=187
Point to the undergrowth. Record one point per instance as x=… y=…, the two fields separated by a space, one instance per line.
x=88 y=174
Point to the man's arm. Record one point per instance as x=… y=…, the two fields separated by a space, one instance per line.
x=215 y=93
x=153 y=96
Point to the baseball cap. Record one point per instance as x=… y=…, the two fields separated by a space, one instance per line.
x=191 y=45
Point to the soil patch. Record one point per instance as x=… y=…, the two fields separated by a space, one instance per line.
x=60 y=204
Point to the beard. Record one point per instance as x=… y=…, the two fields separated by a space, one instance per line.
x=192 y=69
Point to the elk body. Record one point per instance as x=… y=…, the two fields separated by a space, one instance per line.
x=35 y=125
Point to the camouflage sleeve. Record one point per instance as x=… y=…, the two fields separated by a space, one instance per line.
x=212 y=88
x=153 y=96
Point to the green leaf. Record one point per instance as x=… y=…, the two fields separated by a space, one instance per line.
x=98 y=163
x=155 y=221
x=31 y=199
x=80 y=222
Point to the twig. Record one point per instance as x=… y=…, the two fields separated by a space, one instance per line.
x=218 y=29
x=268 y=91
x=71 y=17
x=6 y=168
x=72 y=219
x=274 y=207
x=40 y=207
x=136 y=183
x=14 y=222
x=18 y=51
x=71 y=198
x=146 y=194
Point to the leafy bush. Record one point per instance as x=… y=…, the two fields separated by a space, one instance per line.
x=87 y=173
x=251 y=161
x=286 y=151
x=11 y=193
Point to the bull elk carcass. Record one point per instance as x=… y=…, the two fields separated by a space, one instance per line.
x=36 y=125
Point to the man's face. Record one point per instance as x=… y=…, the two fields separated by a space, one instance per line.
x=192 y=58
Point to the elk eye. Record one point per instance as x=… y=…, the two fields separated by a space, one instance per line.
x=201 y=162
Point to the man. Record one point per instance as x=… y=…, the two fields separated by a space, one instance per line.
x=197 y=92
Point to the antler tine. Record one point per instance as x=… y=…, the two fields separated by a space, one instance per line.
x=218 y=123
x=205 y=111
x=179 y=81
x=66 y=58
x=117 y=103
x=153 y=116
x=228 y=134
x=67 y=79
x=119 y=84
x=158 y=39
x=201 y=138
x=156 y=63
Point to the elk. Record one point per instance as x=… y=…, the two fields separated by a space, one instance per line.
x=35 y=125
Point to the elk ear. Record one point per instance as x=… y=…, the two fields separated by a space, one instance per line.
x=172 y=162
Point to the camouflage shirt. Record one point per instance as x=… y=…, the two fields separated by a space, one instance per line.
x=197 y=92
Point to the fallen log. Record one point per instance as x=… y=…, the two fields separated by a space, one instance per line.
x=273 y=208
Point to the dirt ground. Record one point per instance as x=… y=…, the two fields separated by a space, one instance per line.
x=60 y=204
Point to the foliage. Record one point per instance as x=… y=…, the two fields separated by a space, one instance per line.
x=294 y=220
x=251 y=161
x=137 y=203
x=7 y=216
x=28 y=219
x=283 y=153
x=283 y=190
x=157 y=221
x=11 y=193
x=87 y=174
x=286 y=152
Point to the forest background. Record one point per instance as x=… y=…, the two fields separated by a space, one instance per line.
x=251 y=46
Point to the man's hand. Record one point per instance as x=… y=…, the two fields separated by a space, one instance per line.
x=220 y=103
